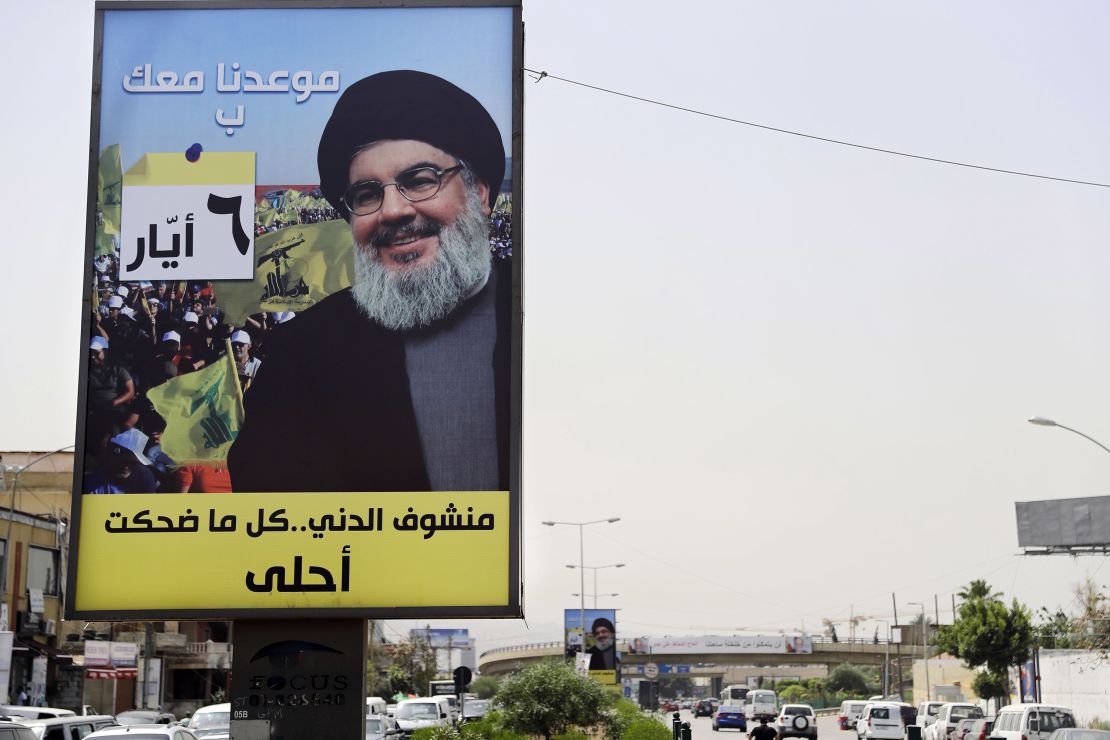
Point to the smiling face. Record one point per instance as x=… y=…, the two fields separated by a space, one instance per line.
x=405 y=235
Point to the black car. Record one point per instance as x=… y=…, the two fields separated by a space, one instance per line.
x=703 y=708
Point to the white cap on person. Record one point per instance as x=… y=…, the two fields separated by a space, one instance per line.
x=190 y=318
x=123 y=291
x=98 y=343
x=240 y=337
x=134 y=442
x=171 y=336
x=128 y=312
x=115 y=302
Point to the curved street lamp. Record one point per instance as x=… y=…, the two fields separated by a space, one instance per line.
x=1043 y=422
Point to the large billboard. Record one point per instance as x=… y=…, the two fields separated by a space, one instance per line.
x=735 y=644
x=302 y=289
x=595 y=652
x=1064 y=525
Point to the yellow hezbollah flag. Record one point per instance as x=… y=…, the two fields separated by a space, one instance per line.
x=203 y=412
x=295 y=268
x=109 y=196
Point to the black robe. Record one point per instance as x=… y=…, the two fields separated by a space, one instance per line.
x=330 y=408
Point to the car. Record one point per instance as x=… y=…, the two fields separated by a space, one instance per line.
x=981 y=729
x=668 y=706
x=961 y=728
x=703 y=708
x=15 y=731
x=72 y=727
x=880 y=721
x=850 y=712
x=145 y=717
x=17 y=710
x=730 y=715
x=212 y=722
x=426 y=711
x=379 y=727
x=948 y=716
x=761 y=703
x=474 y=709
x=1075 y=733
x=796 y=720
x=927 y=712
x=1031 y=721
x=143 y=732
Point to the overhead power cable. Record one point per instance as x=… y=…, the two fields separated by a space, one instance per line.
x=547 y=75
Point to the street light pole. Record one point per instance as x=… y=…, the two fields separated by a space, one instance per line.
x=924 y=647
x=582 y=565
x=595 y=569
x=1043 y=422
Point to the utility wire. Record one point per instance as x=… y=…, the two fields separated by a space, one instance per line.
x=547 y=75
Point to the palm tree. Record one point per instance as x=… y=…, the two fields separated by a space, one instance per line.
x=978 y=589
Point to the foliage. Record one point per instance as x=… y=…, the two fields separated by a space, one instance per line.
x=1089 y=629
x=847 y=679
x=987 y=685
x=977 y=589
x=645 y=728
x=572 y=735
x=440 y=732
x=485 y=686
x=413 y=666
x=987 y=632
x=549 y=698
x=619 y=718
x=489 y=727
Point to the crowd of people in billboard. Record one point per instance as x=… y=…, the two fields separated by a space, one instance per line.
x=144 y=334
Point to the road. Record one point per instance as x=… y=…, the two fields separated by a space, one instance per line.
x=702 y=727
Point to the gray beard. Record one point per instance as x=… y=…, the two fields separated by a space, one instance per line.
x=414 y=298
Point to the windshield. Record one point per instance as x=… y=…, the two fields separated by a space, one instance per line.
x=1051 y=721
x=959 y=713
x=762 y=696
x=206 y=720
x=419 y=710
x=797 y=710
x=476 y=707
x=134 y=719
x=729 y=709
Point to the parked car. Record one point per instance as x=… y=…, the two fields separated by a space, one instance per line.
x=981 y=729
x=1075 y=733
x=668 y=706
x=797 y=720
x=379 y=727
x=703 y=708
x=880 y=721
x=73 y=727
x=145 y=717
x=16 y=710
x=927 y=712
x=730 y=715
x=850 y=712
x=428 y=711
x=961 y=728
x=212 y=722
x=1031 y=721
x=948 y=716
x=475 y=709
x=15 y=731
x=143 y=732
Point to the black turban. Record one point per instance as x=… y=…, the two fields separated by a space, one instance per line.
x=403 y=104
x=603 y=622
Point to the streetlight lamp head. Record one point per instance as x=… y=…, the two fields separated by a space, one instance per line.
x=572 y=566
x=620 y=565
x=1041 y=421
x=614 y=519
x=548 y=524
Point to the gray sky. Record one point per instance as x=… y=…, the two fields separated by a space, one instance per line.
x=799 y=372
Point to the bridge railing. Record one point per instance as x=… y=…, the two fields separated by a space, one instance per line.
x=623 y=646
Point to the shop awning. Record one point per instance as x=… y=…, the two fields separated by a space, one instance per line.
x=111 y=673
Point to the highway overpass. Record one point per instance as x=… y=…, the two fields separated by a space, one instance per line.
x=500 y=661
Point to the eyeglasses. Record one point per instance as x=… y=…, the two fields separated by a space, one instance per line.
x=415 y=185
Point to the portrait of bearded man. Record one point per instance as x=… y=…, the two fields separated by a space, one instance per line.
x=402 y=382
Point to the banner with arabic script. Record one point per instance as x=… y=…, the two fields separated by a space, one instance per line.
x=303 y=293
x=293 y=551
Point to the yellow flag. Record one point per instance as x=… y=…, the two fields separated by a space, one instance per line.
x=109 y=198
x=203 y=412
x=295 y=268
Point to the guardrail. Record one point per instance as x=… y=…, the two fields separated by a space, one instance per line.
x=623 y=645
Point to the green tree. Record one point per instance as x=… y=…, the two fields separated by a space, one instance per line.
x=549 y=698
x=412 y=666
x=485 y=686
x=987 y=632
x=847 y=679
x=987 y=685
x=977 y=589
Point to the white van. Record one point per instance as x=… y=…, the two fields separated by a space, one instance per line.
x=948 y=716
x=761 y=703
x=927 y=712
x=427 y=711
x=1030 y=721
x=880 y=721
x=850 y=712
x=375 y=705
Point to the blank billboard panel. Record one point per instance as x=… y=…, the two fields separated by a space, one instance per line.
x=1069 y=522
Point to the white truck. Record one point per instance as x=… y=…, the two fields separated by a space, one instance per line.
x=948 y=716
